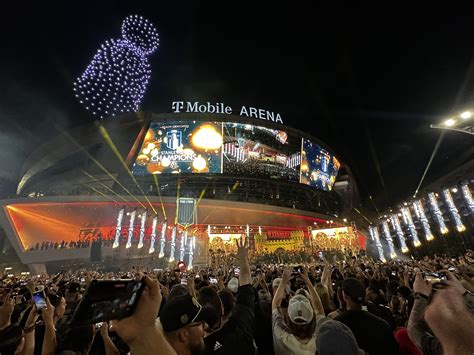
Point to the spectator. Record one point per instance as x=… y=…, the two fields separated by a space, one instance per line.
x=183 y=321
x=372 y=333
x=334 y=338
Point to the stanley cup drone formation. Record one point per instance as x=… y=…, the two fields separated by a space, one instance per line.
x=117 y=77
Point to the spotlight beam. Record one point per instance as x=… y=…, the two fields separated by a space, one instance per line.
x=112 y=146
x=157 y=184
x=96 y=162
x=433 y=154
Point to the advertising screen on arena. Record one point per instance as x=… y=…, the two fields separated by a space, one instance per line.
x=234 y=149
x=319 y=167
x=255 y=150
x=180 y=147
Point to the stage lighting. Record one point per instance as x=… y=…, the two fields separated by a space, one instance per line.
x=162 y=240
x=142 y=229
x=118 y=228
x=374 y=234
x=388 y=238
x=466 y=192
x=398 y=230
x=420 y=214
x=130 y=229
x=466 y=115
x=454 y=211
x=450 y=122
x=437 y=213
x=153 y=235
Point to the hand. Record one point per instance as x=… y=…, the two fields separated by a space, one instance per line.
x=304 y=275
x=104 y=330
x=286 y=275
x=421 y=285
x=454 y=282
x=32 y=317
x=48 y=313
x=242 y=248
x=133 y=328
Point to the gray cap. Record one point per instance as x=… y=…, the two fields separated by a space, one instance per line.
x=334 y=338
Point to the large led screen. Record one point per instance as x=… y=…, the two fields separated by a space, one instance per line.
x=234 y=149
x=318 y=167
x=259 y=151
x=180 y=147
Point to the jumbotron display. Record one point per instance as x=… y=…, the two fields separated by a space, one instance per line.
x=234 y=149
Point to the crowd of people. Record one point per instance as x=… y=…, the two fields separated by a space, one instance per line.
x=256 y=306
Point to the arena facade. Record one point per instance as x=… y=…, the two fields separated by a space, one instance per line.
x=167 y=187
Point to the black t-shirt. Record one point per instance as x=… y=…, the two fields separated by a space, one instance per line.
x=236 y=336
x=372 y=333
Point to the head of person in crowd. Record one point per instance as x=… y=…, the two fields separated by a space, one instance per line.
x=333 y=337
x=228 y=302
x=76 y=340
x=324 y=296
x=353 y=293
x=233 y=284
x=59 y=303
x=209 y=298
x=11 y=340
x=72 y=294
x=183 y=320
x=264 y=296
x=301 y=315
x=177 y=290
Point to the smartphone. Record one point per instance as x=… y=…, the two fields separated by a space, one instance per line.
x=39 y=298
x=107 y=300
x=98 y=325
x=213 y=281
x=434 y=276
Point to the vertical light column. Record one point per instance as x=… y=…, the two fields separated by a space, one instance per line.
x=398 y=230
x=453 y=210
x=130 y=229
x=184 y=239
x=247 y=231
x=192 y=245
x=420 y=214
x=142 y=230
x=173 y=243
x=374 y=234
x=162 y=240
x=153 y=235
x=408 y=220
x=388 y=238
x=118 y=228
x=466 y=193
x=437 y=213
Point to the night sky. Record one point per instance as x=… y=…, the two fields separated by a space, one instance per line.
x=367 y=81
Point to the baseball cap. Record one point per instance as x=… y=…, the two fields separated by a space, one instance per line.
x=233 y=285
x=181 y=311
x=300 y=310
x=334 y=337
x=354 y=289
x=276 y=282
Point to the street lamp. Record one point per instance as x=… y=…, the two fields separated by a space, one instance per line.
x=463 y=122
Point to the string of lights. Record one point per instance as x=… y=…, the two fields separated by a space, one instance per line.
x=408 y=220
x=374 y=234
x=116 y=79
x=437 y=213
x=162 y=240
x=153 y=235
x=173 y=244
x=399 y=232
x=420 y=214
x=466 y=192
x=453 y=210
x=118 y=228
x=130 y=229
x=388 y=238
x=142 y=229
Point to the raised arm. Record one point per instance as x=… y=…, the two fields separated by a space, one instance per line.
x=416 y=325
x=280 y=292
x=242 y=255
x=315 y=300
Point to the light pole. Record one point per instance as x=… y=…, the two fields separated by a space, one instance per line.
x=464 y=123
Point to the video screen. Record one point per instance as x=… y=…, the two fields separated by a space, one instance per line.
x=234 y=149
x=319 y=168
x=180 y=147
x=260 y=151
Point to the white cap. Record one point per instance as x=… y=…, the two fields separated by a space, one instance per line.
x=300 y=310
x=233 y=284
x=276 y=282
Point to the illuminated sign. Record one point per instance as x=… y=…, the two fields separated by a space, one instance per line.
x=218 y=107
x=330 y=232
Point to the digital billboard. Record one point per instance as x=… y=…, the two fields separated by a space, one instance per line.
x=234 y=149
x=255 y=150
x=318 y=167
x=180 y=147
